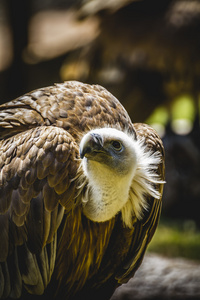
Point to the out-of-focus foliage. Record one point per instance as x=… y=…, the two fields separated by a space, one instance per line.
x=177 y=239
x=181 y=114
x=183 y=108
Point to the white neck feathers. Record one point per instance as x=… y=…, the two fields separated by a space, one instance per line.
x=105 y=193
x=144 y=184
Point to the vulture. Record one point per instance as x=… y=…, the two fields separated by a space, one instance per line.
x=80 y=193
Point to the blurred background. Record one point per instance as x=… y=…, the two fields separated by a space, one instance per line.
x=147 y=53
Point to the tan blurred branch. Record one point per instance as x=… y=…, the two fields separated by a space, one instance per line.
x=54 y=33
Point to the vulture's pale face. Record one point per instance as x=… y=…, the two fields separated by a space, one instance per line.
x=109 y=159
x=111 y=148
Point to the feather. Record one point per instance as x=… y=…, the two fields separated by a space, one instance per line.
x=7 y=284
x=2 y=282
x=4 y=245
x=49 y=196
x=15 y=276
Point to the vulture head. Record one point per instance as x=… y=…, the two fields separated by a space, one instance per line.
x=120 y=172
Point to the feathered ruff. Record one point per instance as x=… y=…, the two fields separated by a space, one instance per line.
x=144 y=184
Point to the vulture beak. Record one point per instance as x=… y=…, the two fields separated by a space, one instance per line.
x=91 y=144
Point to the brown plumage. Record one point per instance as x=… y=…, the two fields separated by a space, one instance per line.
x=48 y=247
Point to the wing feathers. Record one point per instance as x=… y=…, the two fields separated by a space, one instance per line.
x=15 y=276
x=35 y=224
x=6 y=276
x=36 y=172
x=50 y=197
x=4 y=244
x=42 y=171
x=5 y=198
x=17 y=206
x=55 y=219
x=15 y=180
x=30 y=177
x=2 y=282
x=51 y=252
x=30 y=272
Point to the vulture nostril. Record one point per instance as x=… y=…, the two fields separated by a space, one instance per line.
x=97 y=139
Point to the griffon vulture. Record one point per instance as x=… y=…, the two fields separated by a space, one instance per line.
x=80 y=193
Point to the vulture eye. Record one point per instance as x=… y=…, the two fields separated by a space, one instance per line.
x=116 y=145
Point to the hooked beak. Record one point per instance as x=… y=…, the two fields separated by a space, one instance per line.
x=90 y=145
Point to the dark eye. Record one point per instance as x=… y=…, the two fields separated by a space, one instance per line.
x=117 y=145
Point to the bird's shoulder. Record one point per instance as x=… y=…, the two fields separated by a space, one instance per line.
x=72 y=105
